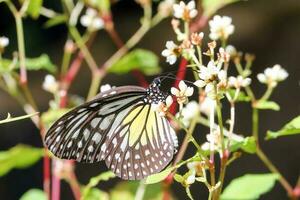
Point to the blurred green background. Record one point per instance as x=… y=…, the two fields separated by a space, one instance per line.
x=268 y=28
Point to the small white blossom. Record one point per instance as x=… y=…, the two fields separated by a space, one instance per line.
x=182 y=93
x=238 y=81
x=91 y=20
x=220 y=27
x=190 y=179
x=189 y=112
x=162 y=108
x=171 y=52
x=4 y=41
x=50 y=84
x=185 y=11
x=165 y=7
x=206 y=105
x=272 y=76
x=213 y=139
x=209 y=74
x=231 y=50
x=105 y=87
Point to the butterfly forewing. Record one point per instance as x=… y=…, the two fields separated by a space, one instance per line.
x=79 y=132
x=120 y=127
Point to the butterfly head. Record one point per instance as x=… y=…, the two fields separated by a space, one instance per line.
x=154 y=94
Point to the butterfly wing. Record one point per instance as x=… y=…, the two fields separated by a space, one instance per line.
x=118 y=127
x=80 y=133
x=143 y=145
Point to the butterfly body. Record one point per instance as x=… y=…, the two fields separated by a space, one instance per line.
x=119 y=126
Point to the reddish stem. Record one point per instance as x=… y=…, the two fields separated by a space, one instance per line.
x=55 y=184
x=140 y=77
x=46 y=174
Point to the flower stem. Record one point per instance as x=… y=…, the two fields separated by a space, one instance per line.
x=267 y=94
x=285 y=184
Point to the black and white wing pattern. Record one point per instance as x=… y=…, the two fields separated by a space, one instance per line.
x=119 y=126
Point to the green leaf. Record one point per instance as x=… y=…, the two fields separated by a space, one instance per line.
x=271 y=105
x=247 y=144
x=211 y=6
x=291 y=128
x=34 y=194
x=127 y=190
x=96 y=194
x=155 y=178
x=34 y=8
x=242 y=97
x=139 y=59
x=105 y=176
x=249 y=186
x=19 y=157
x=57 y=20
x=49 y=117
x=38 y=63
x=178 y=178
x=11 y=119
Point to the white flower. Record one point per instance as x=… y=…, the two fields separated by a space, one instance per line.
x=185 y=11
x=183 y=92
x=190 y=179
x=105 y=87
x=162 y=108
x=231 y=50
x=190 y=111
x=4 y=41
x=50 y=84
x=213 y=139
x=206 y=105
x=171 y=52
x=208 y=75
x=91 y=20
x=272 y=76
x=238 y=81
x=165 y=7
x=220 y=27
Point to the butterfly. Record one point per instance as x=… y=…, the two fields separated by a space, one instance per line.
x=119 y=126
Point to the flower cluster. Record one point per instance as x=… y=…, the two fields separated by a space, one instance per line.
x=91 y=20
x=220 y=27
x=272 y=76
x=184 y=11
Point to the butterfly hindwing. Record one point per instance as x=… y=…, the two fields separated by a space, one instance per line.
x=143 y=145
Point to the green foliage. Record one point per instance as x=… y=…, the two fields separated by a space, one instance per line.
x=127 y=190
x=249 y=186
x=139 y=59
x=242 y=97
x=34 y=194
x=42 y=62
x=49 y=117
x=89 y=191
x=155 y=178
x=34 y=8
x=11 y=119
x=211 y=6
x=57 y=20
x=269 y=105
x=19 y=157
x=247 y=144
x=291 y=128
x=96 y=194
